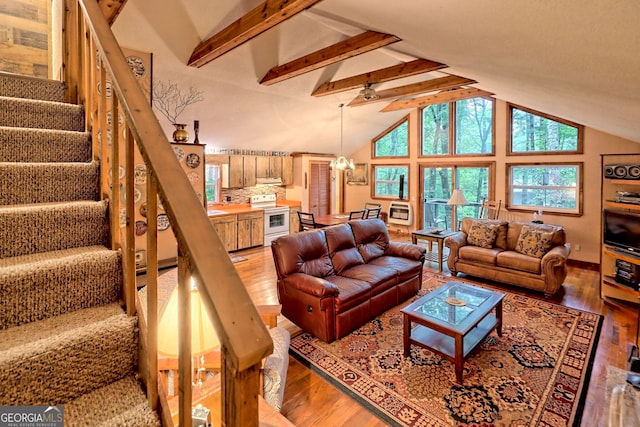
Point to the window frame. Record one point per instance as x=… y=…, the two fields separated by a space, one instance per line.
x=510 y=152
x=407 y=182
x=386 y=132
x=452 y=131
x=218 y=191
x=555 y=211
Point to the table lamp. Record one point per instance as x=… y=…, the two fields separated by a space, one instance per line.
x=203 y=336
x=457 y=199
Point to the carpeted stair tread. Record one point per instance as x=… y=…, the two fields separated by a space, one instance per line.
x=48 y=182
x=28 y=113
x=56 y=360
x=121 y=404
x=39 y=286
x=18 y=86
x=28 y=229
x=43 y=145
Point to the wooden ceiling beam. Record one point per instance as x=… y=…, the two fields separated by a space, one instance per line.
x=263 y=17
x=111 y=9
x=442 y=83
x=394 y=72
x=364 y=42
x=439 y=98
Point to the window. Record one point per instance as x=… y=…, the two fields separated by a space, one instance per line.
x=475 y=181
x=393 y=142
x=534 y=132
x=460 y=127
x=551 y=187
x=435 y=130
x=386 y=181
x=212 y=183
x=474 y=126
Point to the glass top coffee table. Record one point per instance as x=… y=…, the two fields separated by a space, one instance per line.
x=452 y=320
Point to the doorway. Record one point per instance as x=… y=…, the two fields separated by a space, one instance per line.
x=319 y=188
x=476 y=180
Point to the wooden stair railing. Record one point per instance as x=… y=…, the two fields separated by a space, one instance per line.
x=91 y=56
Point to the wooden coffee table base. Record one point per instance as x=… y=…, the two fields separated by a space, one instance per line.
x=451 y=321
x=454 y=347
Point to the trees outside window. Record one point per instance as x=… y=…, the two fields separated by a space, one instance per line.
x=533 y=132
x=393 y=142
x=458 y=128
x=386 y=180
x=435 y=130
x=212 y=183
x=474 y=126
x=551 y=188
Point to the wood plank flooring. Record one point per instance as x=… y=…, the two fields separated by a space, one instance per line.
x=309 y=400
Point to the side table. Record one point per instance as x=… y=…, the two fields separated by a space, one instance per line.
x=432 y=236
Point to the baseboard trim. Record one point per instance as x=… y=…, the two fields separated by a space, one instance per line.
x=583 y=265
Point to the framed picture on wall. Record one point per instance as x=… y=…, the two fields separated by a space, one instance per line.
x=357 y=176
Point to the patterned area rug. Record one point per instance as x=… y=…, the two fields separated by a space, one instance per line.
x=536 y=374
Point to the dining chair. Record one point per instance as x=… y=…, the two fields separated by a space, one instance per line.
x=307 y=221
x=357 y=214
x=370 y=205
x=489 y=209
x=373 y=213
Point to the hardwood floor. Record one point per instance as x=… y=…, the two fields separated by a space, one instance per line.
x=309 y=400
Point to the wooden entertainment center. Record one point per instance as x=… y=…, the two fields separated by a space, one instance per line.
x=626 y=178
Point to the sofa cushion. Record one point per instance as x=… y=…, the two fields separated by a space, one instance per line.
x=380 y=278
x=342 y=247
x=477 y=254
x=405 y=268
x=501 y=237
x=517 y=261
x=274 y=372
x=482 y=234
x=534 y=242
x=515 y=228
x=352 y=292
x=305 y=252
x=371 y=236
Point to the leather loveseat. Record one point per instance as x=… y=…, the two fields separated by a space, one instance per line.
x=524 y=254
x=335 y=279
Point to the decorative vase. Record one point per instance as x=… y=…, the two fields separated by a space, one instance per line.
x=180 y=134
x=196 y=130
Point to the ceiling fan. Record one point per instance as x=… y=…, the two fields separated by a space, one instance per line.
x=368 y=93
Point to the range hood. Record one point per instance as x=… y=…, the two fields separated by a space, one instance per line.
x=268 y=181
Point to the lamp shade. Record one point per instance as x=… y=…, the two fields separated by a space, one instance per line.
x=457 y=198
x=203 y=336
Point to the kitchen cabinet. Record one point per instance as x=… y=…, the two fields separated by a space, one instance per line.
x=287 y=170
x=242 y=171
x=250 y=230
x=226 y=227
x=294 y=221
x=269 y=166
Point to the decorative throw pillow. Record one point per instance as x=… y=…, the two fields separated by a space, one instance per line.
x=482 y=234
x=533 y=242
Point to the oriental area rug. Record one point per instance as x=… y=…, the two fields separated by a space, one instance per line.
x=536 y=374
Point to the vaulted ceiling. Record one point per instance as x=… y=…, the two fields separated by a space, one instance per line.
x=277 y=83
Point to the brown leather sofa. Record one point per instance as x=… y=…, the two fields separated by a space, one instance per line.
x=534 y=259
x=335 y=279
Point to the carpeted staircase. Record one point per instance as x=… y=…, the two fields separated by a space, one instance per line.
x=64 y=336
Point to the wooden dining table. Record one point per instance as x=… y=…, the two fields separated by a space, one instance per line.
x=333 y=219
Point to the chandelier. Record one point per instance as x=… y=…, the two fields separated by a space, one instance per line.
x=341 y=163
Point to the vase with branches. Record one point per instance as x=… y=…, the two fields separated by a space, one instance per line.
x=170 y=101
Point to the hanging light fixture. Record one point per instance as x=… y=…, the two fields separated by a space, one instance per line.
x=341 y=163
x=368 y=93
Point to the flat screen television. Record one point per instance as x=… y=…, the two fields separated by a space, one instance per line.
x=622 y=230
